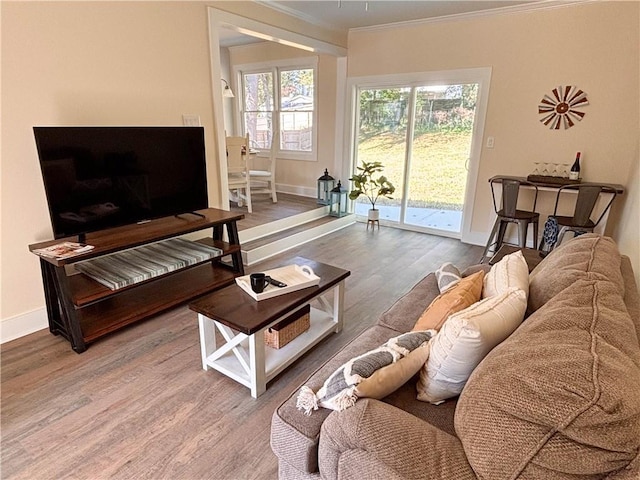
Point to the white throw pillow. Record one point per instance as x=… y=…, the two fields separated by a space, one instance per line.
x=447 y=275
x=510 y=271
x=464 y=340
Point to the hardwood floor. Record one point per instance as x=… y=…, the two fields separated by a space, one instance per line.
x=265 y=211
x=137 y=404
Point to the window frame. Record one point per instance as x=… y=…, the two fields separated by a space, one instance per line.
x=275 y=68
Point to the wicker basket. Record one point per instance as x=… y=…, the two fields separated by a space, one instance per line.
x=288 y=329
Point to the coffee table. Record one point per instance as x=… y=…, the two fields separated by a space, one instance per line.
x=241 y=321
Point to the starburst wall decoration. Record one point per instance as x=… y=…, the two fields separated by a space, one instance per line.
x=561 y=107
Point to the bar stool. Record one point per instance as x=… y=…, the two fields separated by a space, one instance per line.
x=580 y=222
x=509 y=213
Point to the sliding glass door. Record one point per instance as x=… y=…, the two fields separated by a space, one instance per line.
x=426 y=136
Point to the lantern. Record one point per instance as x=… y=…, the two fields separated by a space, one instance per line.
x=325 y=185
x=338 y=205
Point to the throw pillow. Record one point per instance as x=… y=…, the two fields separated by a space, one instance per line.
x=465 y=339
x=510 y=271
x=465 y=293
x=448 y=275
x=374 y=374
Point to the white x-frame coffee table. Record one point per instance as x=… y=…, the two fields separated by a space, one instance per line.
x=241 y=322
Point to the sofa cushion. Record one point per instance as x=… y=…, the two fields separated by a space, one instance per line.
x=404 y=313
x=588 y=256
x=464 y=340
x=465 y=293
x=560 y=397
x=294 y=436
x=373 y=374
x=510 y=271
x=377 y=441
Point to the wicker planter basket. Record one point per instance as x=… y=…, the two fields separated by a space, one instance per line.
x=288 y=329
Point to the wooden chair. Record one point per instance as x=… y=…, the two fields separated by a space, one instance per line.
x=580 y=222
x=509 y=213
x=264 y=180
x=238 y=169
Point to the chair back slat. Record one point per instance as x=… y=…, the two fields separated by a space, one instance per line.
x=236 y=161
x=510 y=189
x=585 y=203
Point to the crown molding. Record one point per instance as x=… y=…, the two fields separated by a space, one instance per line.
x=299 y=15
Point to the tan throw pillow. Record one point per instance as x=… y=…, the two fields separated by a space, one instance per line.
x=465 y=339
x=560 y=397
x=510 y=271
x=374 y=374
x=465 y=293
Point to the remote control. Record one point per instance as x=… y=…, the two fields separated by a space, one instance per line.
x=277 y=283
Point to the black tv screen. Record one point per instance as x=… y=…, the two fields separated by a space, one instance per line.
x=102 y=177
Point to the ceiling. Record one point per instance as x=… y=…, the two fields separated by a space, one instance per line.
x=347 y=14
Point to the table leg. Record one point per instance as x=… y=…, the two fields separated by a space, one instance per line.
x=257 y=364
x=207 y=338
x=338 y=305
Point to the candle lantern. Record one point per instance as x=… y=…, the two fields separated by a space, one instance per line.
x=338 y=205
x=325 y=184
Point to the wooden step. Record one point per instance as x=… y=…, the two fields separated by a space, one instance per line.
x=264 y=247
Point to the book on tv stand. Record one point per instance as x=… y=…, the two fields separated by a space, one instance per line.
x=63 y=250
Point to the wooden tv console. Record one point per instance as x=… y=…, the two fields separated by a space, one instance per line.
x=82 y=310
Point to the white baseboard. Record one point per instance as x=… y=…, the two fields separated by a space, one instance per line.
x=297 y=190
x=23 y=324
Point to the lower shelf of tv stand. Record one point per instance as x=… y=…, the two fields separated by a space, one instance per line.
x=131 y=305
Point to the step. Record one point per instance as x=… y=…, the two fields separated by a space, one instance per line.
x=298 y=233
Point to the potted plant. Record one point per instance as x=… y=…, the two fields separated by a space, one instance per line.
x=367 y=182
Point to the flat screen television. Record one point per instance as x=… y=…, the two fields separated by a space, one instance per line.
x=101 y=177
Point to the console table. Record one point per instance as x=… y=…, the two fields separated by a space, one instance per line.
x=83 y=310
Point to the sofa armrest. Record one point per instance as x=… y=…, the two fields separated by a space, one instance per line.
x=386 y=442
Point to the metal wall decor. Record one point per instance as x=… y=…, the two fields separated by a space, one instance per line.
x=561 y=107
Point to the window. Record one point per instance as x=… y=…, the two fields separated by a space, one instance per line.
x=280 y=98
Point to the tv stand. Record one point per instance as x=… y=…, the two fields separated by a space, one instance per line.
x=192 y=213
x=83 y=310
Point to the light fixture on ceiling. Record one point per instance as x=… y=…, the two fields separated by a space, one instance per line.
x=226 y=91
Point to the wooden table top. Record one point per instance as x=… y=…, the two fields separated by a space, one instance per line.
x=234 y=308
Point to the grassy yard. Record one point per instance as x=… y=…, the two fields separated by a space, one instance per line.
x=438 y=174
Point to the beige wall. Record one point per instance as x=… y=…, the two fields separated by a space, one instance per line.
x=594 y=46
x=292 y=174
x=88 y=63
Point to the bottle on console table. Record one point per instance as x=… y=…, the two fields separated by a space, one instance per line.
x=574 y=174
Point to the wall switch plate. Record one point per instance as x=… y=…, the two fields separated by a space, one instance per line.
x=190 y=120
x=490 y=141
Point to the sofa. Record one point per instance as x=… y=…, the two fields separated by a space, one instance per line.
x=559 y=398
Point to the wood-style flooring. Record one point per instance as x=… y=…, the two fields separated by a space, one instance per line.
x=137 y=404
x=265 y=211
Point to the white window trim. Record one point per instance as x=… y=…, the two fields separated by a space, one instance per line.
x=289 y=63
